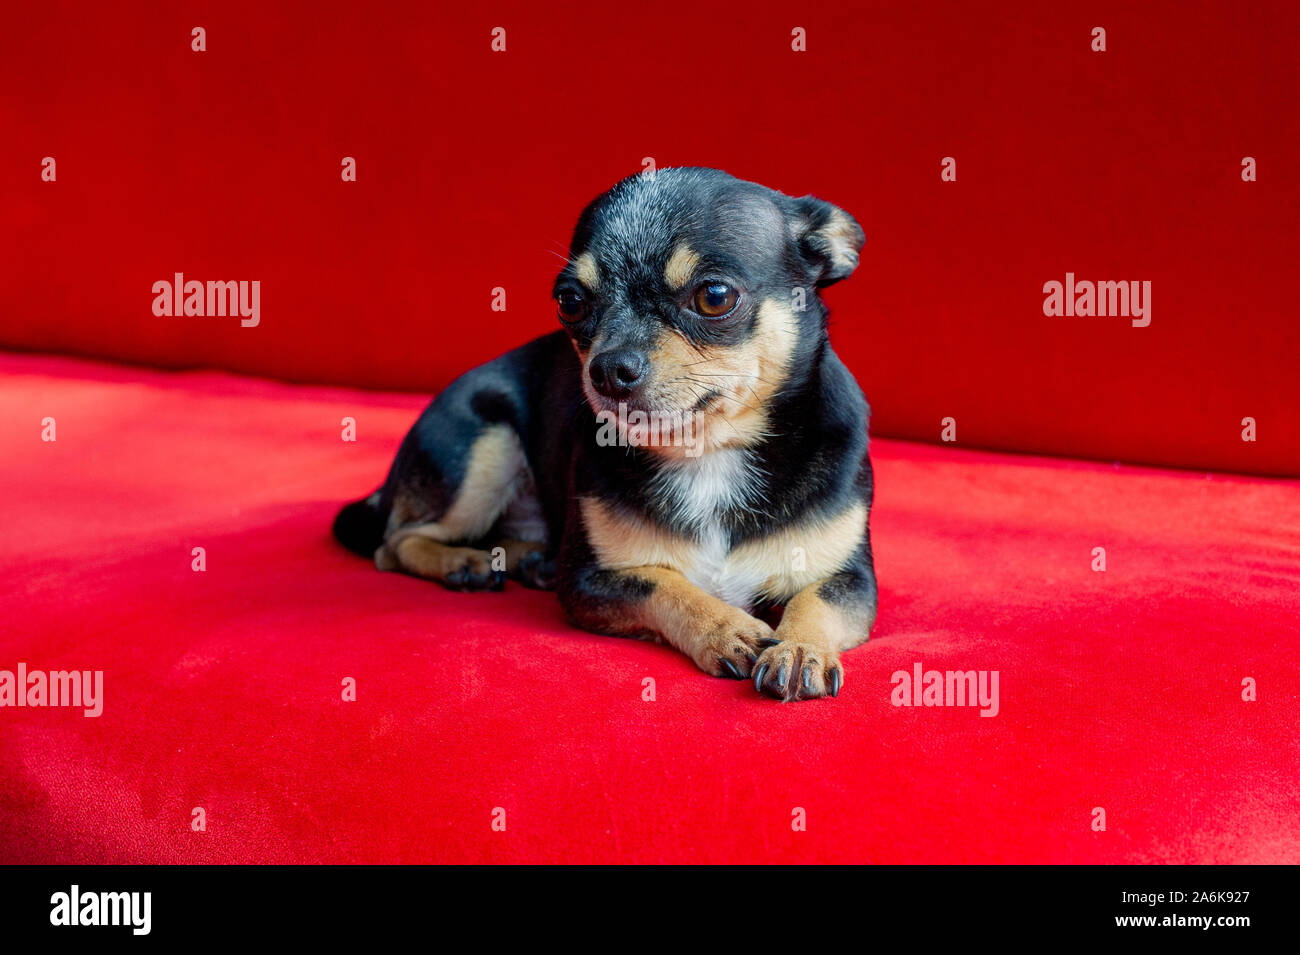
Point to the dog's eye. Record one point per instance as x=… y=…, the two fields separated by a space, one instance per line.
x=572 y=306
x=715 y=299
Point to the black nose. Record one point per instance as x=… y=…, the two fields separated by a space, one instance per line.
x=616 y=372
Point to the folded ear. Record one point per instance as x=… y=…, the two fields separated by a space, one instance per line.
x=828 y=238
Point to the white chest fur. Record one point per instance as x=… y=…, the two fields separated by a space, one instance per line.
x=702 y=491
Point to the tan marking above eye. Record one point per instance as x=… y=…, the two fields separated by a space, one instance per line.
x=584 y=269
x=681 y=266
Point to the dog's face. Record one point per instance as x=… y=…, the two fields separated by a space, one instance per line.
x=693 y=295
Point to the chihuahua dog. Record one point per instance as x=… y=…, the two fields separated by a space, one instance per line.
x=683 y=461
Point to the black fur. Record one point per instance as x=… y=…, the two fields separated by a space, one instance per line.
x=360 y=527
x=811 y=459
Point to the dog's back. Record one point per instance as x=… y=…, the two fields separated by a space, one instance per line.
x=688 y=450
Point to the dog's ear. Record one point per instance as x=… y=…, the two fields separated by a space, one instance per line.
x=828 y=238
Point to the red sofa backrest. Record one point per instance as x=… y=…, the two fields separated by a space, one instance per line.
x=472 y=165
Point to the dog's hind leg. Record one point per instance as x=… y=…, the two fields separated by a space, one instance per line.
x=459 y=568
x=520 y=539
x=435 y=524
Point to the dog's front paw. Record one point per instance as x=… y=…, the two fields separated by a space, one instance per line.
x=731 y=644
x=798 y=670
x=536 y=570
x=464 y=568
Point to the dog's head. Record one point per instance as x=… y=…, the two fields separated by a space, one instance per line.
x=693 y=295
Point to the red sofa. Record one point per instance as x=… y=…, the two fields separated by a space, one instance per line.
x=1158 y=695
x=1119 y=689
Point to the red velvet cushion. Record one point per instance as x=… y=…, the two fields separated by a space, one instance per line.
x=1119 y=690
x=472 y=167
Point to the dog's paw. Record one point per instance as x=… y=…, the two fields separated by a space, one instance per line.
x=731 y=644
x=467 y=569
x=797 y=670
x=536 y=570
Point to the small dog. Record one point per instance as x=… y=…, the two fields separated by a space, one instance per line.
x=686 y=456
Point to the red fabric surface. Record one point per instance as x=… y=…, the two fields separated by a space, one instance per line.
x=1119 y=690
x=472 y=167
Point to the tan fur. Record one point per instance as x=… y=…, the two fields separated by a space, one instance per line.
x=701 y=626
x=844 y=238
x=747 y=377
x=495 y=470
x=424 y=557
x=584 y=267
x=826 y=545
x=515 y=551
x=681 y=266
x=809 y=619
x=771 y=564
x=621 y=542
x=496 y=463
x=427 y=558
x=813 y=634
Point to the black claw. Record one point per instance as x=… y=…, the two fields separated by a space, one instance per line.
x=732 y=669
x=536 y=571
x=768 y=642
x=758 y=677
x=782 y=676
x=837 y=680
x=498 y=579
x=807 y=678
x=456 y=578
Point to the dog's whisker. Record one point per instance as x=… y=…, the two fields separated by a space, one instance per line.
x=645 y=504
